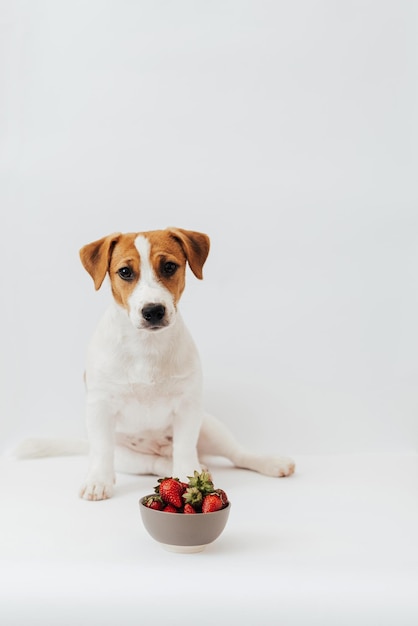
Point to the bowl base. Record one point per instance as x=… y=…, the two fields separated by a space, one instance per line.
x=183 y=549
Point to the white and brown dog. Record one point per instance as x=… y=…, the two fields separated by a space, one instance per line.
x=143 y=376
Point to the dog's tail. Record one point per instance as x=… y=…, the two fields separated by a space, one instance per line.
x=36 y=448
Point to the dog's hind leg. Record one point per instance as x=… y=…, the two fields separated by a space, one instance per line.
x=128 y=461
x=216 y=440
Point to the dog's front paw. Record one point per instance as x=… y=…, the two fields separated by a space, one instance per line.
x=276 y=466
x=97 y=489
x=185 y=470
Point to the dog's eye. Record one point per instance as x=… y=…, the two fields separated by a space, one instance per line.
x=169 y=268
x=126 y=273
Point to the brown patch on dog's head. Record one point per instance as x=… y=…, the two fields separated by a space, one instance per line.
x=170 y=250
x=124 y=261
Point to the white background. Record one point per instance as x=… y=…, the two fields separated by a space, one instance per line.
x=288 y=132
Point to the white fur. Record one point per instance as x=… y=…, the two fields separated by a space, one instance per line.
x=148 y=290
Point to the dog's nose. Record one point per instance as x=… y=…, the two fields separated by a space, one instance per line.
x=153 y=313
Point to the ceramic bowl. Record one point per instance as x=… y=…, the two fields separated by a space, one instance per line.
x=178 y=532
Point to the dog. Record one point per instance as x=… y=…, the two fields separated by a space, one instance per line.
x=143 y=378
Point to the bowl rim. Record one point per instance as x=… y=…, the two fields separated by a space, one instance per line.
x=192 y=516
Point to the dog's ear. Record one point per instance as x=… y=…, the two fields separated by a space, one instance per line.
x=195 y=246
x=95 y=257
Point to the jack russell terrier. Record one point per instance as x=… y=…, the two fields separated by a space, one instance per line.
x=143 y=377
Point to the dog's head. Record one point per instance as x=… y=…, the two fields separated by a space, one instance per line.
x=147 y=270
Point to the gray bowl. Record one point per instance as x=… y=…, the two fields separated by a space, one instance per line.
x=178 y=532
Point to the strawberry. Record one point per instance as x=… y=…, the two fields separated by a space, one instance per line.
x=211 y=502
x=189 y=509
x=193 y=496
x=223 y=496
x=202 y=481
x=171 y=491
x=154 y=502
x=169 y=508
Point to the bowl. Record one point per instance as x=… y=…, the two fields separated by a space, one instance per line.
x=178 y=532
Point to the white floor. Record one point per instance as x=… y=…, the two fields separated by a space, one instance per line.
x=336 y=544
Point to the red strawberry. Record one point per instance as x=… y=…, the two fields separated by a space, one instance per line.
x=154 y=502
x=223 y=496
x=170 y=509
x=212 y=502
x=189 y=510
x=171 y=491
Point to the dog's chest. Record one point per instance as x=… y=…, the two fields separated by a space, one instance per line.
x=146 y=379
x=143 y=406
